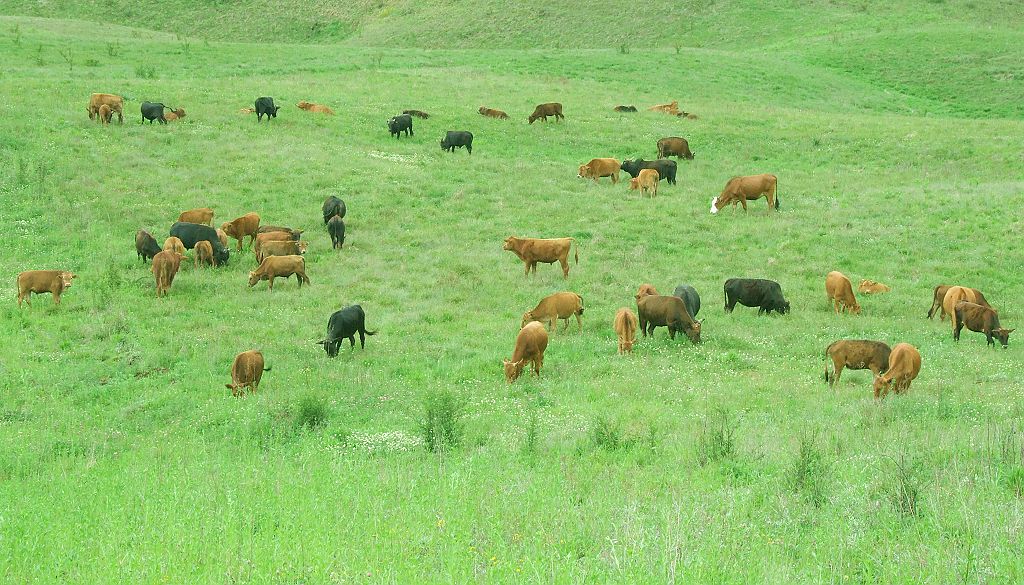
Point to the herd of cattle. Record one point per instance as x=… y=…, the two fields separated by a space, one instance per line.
x=279 y=253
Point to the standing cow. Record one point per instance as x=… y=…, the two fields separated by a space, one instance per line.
x=674 y=146
x=336 y=227
x=246 y=372
x=399 y=124
x=145 y=245
x=457 y=139
x=345 y=324
x=904 y=366
x=625 y=325
x=979 y=319
x=766 y=295
x=54 y=282
x=542 y=112
x=531 y=342
x=265 y=107
x=165 y=266
x=333 y=206
x=114 y=102
x=839 y=290
x=153 y=111
x=743 y=189
x=667 y=311
x=547 y=251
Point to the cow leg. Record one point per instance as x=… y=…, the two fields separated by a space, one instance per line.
x=743 y=202
x=352 y=341
x=362 y=339
x=565 y=266
x=839 y=372
x=271 y=283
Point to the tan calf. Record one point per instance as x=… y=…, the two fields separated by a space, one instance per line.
x=165 y=266
x=625 y=325
x=54 y=282
x=551 y=308
x=870 y=287
x=173 y=115
x=646 y=181
x=203 y=253
x=279 y=266
x=840 y=292
x=114 y=102
x=240 y=227
x=530 y=345
x=105 y=114
x=246 y=372
x=203 y=215
x=173 y=244
x=315 y=108
x=904 y=366
x=534 y=250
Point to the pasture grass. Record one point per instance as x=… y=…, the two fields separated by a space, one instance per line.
x=124 y=459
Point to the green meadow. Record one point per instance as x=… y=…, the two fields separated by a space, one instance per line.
x=896 y=132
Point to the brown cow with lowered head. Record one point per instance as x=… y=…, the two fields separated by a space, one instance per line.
x=749 y=188
x=667 y=311
x=551 y=308
x=43 y=281
x=492 y=113
x=240 y=227
x=174 y=244
x=674 y=146
x=625 y=325
x=203 y=215
x=856 y=354
x=980 y=319
x=279 y=266
x=114 y=102
x=600 y=167
x=904 y=366
x=940 y=293
x=203 y=252
x=646 y=181
x=246 y=372
x=105 y=114
x=542 y=112
x=534 y=250
x=530 y=345
x=871 y=287
x=840 y=292
x=165 y=266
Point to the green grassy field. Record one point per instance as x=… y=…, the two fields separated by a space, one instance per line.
x=123 y=459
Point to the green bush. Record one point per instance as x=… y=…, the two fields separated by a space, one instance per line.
x=442 y=427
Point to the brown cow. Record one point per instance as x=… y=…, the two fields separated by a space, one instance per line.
x=530 y=345
x=315 y=108
x=203 y=253
x=238 y=228
x=43 y=281
x=279 y=266
x=105 y=114
x=940 y=294
x=222 y=237
x=980 y=319
x=625 y=325
x=293 y=233
x=645 y=290
x=743 y=189
x=114 y=102
x=534 y=250
x=165 y=266
x=173 y=244
x=281 y=248
x=674 y=146
x=856 y=354
x=667 y=311
x=954 y=295
x=600 y=167
x=172 y=115
x=246 y=371
x=542 y=112
x=492 y=113
x=904 y=366
x=557 y=306
x=417 y=113
x=145 y=245
x=203 y=215
x=672 y=108
x=646 y=181
x=870 y=287
x=839 y=290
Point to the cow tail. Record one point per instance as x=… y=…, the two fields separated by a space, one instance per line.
x=266 y=369
x=577 y=252
x=368 y=332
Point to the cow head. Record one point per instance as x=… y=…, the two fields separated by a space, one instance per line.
x=513 y=369
x=527 y=317
x=693 y=331
x=881 y=386
x=483 y=110
x=273 y=110
x=331 y=347
x=855 y=308
x=634 y=184
x=304 y=105
x=392 y=125
x=714 y=205
x=444 y=143
x=1003 y=335
x=783 y=308
x=302 y=247
x=510 y=243
x=220 y=255
x=67 y=277
x=253 y=279
x=584 y=172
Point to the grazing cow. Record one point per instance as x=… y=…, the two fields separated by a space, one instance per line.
x=105 y=114
x=690 y=298
x=625 y=325
x=667 y=311
x=743 y=189
x=672 y=108
x=856 y=354
x=315 y=108
x=840 y=293
x=114 y=102
x=344 y=324
x=980 y=319
x=333 y=206
x=399 y=124
x=246 y=372
x=279 y=266
x=173 y=244
x=870 y=287
x=492 y=113
x=292 y=233
x=336 y=227
x=265 y=107
x=674 y=146
x=240 y=227
x=534 y=250
x=600 y=167
x=530 y=345
x=646 y=181
x=457 y=139
x=145 y=245
x=222 y=237
x=204 y=253
x=262 y=239
x=542 y=112
x=153 y=111
x=54 y=282
x=281 y=248
x=557 y=306
x=625 y=108
x=766 y=295
x=645 y=290
x=940 y=294
x=416 y=113
x=202 y=215
x=954 y=295
x=165 y=266
x=666 y=168
x=904 y=366
x=191 y=233
x=174 y=115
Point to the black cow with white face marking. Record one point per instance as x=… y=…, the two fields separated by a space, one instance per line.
x=399 y=124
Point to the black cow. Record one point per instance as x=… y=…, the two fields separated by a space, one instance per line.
x=666 y=168
x=456 y=138
x=345 y=324
x=190 y=233
x=146 y=246
x=690 y=298
x=400 y=123
x=766 y=295
x=336 y=227
x=153 y=111
x=625 y=108
x=333 y=206
x=265 y=105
